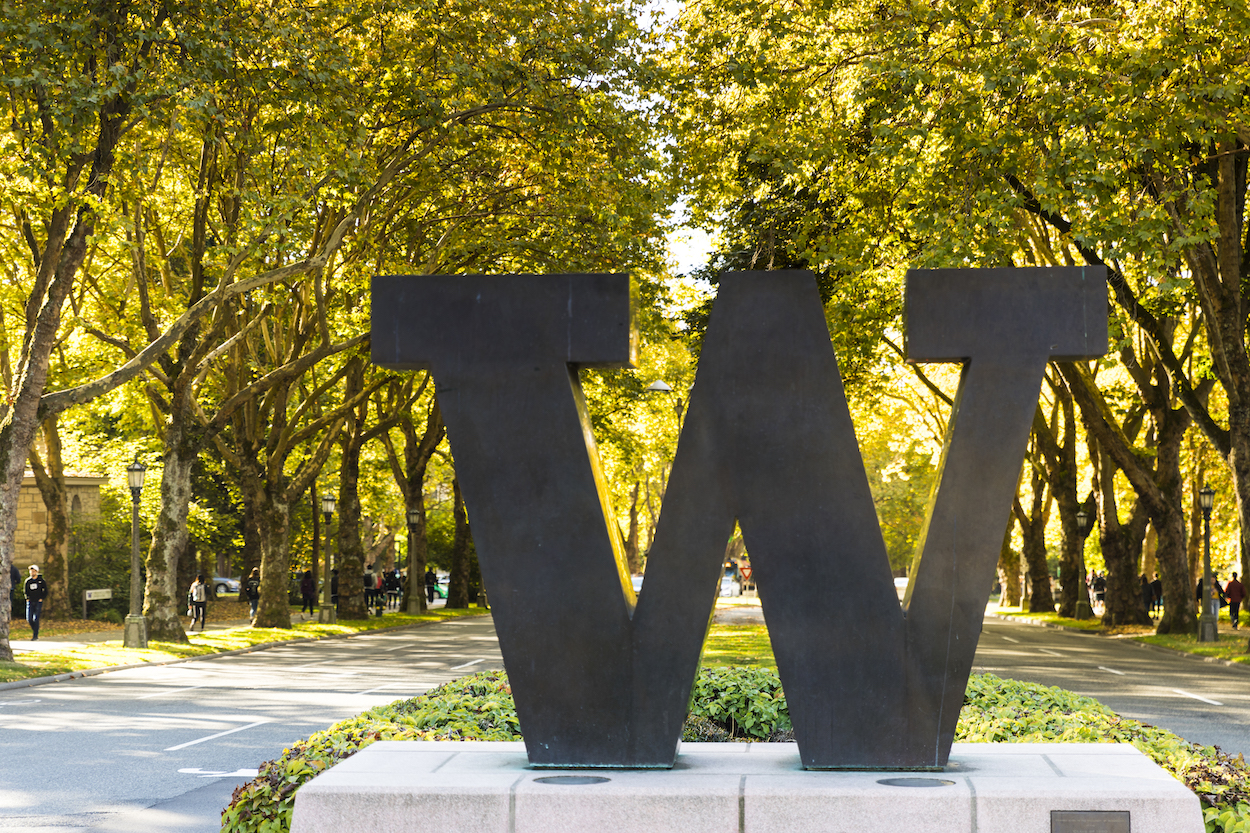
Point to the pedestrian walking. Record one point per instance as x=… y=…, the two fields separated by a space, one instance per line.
x=1147 y=593
x=308 y=590
x=198 y=596
x=1157 y=587
x=252 y=588
x=431 y=582
x=36 y=591
x=1236 y=593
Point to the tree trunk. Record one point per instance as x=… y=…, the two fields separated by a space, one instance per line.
x=418 y=553
x=1033 y=549
x=350 y=547
x=315 y=499
x=1149 y=564
x=1121 y=547
x=163 y=604
x=632 y=556
x=1062 y=475
x=1041 y=599
x=1009 y=571
x=251 y=552
x=51 y=484
x=458 y=584
x=274 y=610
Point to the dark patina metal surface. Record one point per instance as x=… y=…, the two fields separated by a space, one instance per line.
x=768 y=441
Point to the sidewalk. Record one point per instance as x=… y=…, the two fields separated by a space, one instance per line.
x=71 y=640
x=69 y=656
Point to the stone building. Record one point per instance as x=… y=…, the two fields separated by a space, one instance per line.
x=83 y=493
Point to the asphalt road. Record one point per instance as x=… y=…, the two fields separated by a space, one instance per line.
x=1204 y=702
x=162 y=749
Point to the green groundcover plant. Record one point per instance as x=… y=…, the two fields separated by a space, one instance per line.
x=745 y=704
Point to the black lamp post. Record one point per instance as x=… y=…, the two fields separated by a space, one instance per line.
x=416 y=578
x=327 y=614
x=135 y=634
x=1083 y=610
x=1209 y=616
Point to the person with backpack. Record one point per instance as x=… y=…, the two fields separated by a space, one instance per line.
x=252 y=588
x=198 y=597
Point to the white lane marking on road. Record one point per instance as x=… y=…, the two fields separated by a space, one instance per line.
x=18 y=702
x=466 y=665
x=1048 y=651
x=215 y=773
x=1196 y=697
x=398 y=647
x=214 y=737
x=173 y=691
x=1111 y=670
x=379 y=688
x=1009 y=639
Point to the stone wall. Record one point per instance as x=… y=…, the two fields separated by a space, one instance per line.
x=32 y=515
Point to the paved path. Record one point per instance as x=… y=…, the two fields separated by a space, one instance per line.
x=1204 y=702
x=151 y=750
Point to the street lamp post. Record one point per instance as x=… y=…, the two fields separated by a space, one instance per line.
x=416 y=579
x=327 y=615
x=135 y=634
x=1209 y=617
x=1083 y=610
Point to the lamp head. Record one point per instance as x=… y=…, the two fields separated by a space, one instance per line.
x=1206 y=498
x=327 y=504
x=134 y=474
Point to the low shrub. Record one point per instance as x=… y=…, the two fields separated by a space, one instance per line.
x=743 y=704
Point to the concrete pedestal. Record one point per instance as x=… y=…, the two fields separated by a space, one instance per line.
x=135 y=632
x=327 y=616
x=397 y=786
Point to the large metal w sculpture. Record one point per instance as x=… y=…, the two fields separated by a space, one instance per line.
x=602 y=679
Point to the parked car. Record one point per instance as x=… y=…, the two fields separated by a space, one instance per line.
x=225 y=585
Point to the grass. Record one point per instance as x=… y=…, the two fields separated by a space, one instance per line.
x=729 y=645
x=1093 y=624
x=58 y=658
x=1232 y=645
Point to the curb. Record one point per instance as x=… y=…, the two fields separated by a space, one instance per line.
x=93 y=672
x=1162 y=649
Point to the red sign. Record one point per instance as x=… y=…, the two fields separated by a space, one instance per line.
x=746 y=572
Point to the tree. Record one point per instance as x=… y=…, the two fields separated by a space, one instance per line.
x=409 y=474
x=79 y=78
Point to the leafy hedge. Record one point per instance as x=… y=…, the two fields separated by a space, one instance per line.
x=743 y=704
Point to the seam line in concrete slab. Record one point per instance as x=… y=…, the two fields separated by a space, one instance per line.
x=972 y=793
x=264 y=646
x=512 y=804
x=1051 y=764
x=444 y=763
x=742 y=804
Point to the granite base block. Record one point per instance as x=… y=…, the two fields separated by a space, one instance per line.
x=401 y=786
